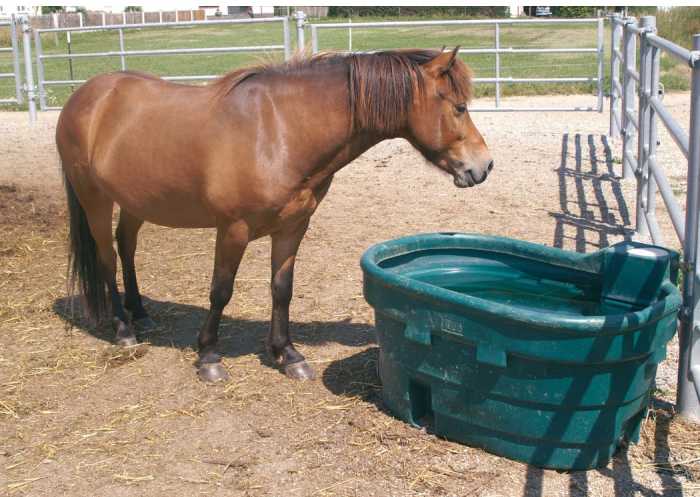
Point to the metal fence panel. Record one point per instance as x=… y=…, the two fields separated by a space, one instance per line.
x=14 y=51
x=123 y=54
x=498 y=49
x=650 y=177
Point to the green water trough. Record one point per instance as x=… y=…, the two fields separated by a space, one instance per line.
x=531 y=352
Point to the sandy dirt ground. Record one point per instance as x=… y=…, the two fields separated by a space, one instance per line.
x=81 y=417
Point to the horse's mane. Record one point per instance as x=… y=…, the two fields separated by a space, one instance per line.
x=381 y=84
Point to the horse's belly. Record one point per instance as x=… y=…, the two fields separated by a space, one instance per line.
x=167 y=208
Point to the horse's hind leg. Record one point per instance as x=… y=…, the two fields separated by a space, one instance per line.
x=99 y=217
x=127 y=236
x=285 y=245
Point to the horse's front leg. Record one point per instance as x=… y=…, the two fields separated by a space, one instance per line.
x=285 y=245
x=231 y=241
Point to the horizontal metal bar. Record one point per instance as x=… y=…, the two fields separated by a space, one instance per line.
x=7 y=75
x=168 y=51
x=525 y=50
x=162 y=25
x=533 y=80
x=8 y=101
x=674 y=210
x=634 y=28
x=677 y=51
x=632 y=74
x=68 y=82
x=654 y=229
x=6 y=49
x=677 y=133
x=203 y=77
x=487 y=22
x=64 y=82
x=533 y=109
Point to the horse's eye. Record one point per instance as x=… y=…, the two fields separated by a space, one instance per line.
x=461 y=108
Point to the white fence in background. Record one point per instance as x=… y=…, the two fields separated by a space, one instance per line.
x=497 y=50
x=15 y=75
x=124 y=54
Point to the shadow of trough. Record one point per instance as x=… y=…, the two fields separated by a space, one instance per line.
x=593 y=220
x=179 y=324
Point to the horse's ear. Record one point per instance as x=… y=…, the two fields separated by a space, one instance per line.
x=442 y=64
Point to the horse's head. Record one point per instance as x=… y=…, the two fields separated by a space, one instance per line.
x=439 y=125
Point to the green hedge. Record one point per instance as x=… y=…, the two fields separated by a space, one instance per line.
x=417 y=11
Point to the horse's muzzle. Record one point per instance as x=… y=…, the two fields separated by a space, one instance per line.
x=465 y=178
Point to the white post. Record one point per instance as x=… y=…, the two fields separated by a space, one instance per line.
x=124 y=17
x=300 y=17
x=160 y=16
x=497 y=35
x=350 y=36
x=176 y=19
x=104 y=19
x=80 y=19
x=143 y=16
x=26 y=45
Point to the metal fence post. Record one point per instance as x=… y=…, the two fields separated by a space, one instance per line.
x=642 y=173
x=287 y=39
x=300 y=17
x=15 y=60
x=121 y=49
x=628 y=86
x=655 y=56
x=615 y=36
x=497 y=34
x=40 y=70
x=601 y=60
x=27 y=45
x=688 y=393
x=314 y=39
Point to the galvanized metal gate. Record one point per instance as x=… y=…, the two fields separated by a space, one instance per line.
x=634 y=117
x=497 y=50
x=123 y=54
x=15 y=75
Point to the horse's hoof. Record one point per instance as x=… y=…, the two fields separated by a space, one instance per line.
x=128 y=341
x=300 y=371
x=212 y=371
x=144 y=324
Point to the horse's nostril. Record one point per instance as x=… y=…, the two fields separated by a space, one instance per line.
x=490 y=166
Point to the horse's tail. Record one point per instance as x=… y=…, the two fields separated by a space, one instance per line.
x=83 y=265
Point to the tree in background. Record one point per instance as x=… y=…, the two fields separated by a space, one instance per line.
x=50 y=9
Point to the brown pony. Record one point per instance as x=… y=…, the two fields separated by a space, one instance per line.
x=251 y=154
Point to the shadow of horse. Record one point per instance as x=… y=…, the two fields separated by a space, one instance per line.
x=179 y=324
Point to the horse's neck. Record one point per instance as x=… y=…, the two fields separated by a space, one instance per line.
x=332 y=120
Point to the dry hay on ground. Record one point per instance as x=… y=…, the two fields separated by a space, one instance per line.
x=81 y=417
